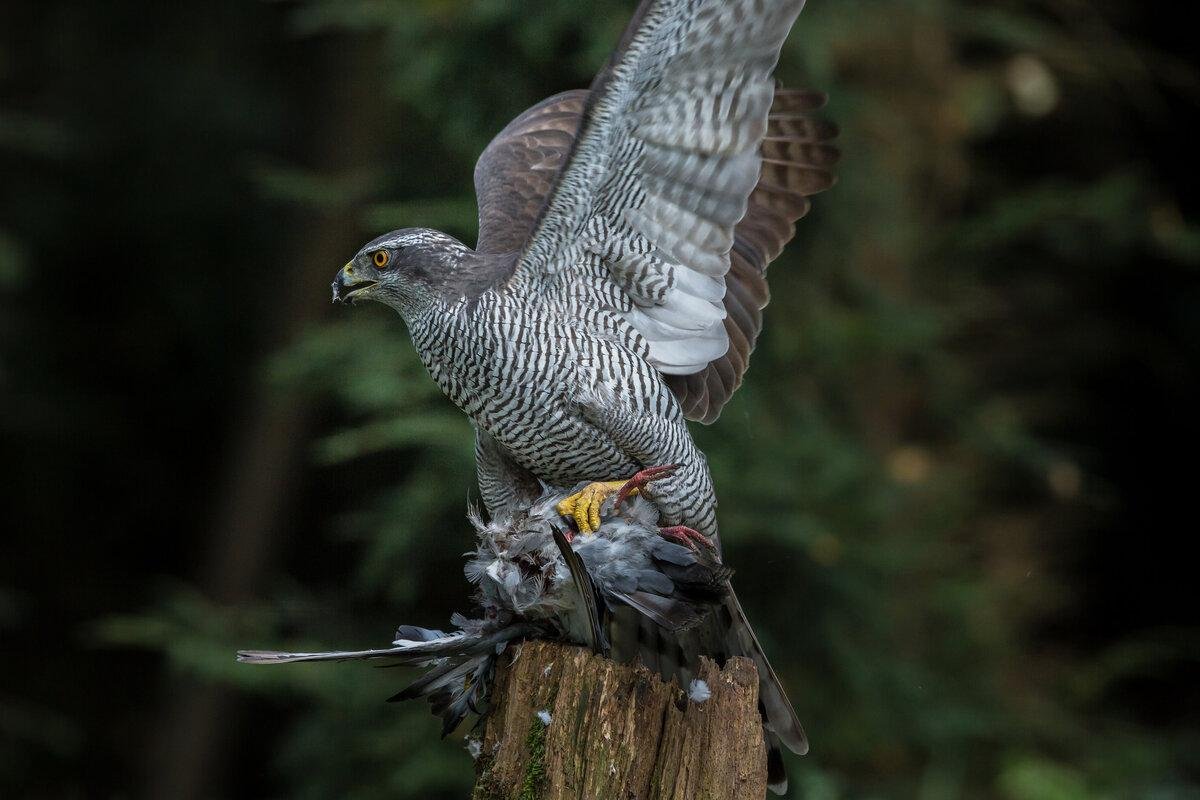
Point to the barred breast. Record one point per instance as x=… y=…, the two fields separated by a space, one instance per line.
x=527 y=377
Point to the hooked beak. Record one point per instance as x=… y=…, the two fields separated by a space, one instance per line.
x=350 y=284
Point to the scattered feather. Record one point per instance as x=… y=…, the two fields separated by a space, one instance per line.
x=475 y=748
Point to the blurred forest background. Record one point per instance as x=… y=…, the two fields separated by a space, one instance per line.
x=949 y=486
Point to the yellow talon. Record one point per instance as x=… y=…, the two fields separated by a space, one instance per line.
x=584 y=505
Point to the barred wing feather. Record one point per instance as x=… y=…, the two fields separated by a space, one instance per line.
x=797 y=159
x=665 y=191
x=663 y=165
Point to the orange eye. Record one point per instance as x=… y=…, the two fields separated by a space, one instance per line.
x=380 y=258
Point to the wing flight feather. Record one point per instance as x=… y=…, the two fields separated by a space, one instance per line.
x=661 y=171
x=665 y=191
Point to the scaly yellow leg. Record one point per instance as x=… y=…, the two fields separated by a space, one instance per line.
x=584 y=505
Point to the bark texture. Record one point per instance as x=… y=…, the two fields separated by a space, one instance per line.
x=617 y=731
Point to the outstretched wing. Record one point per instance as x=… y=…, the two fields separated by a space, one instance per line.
x=797 y=161
x=657 y=193
x=641 y=217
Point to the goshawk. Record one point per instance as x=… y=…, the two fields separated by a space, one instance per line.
x=617 y=284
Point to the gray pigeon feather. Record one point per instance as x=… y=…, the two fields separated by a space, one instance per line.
x=624 y=590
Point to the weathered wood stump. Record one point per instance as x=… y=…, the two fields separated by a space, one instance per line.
x=617 y=731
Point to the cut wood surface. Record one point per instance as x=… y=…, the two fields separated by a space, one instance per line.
x=568 y=724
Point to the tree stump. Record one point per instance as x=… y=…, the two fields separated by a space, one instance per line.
x=566 y=724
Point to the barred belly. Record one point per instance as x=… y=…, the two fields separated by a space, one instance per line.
x=568 y=404
x=521 y=377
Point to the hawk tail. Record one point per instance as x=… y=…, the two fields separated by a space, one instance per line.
x=777 y=709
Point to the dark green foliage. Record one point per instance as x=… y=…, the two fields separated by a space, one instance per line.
x=944 y=486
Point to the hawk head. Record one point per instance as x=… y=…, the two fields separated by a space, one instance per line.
x=404 y=269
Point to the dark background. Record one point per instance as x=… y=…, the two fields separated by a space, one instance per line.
x=957 y=487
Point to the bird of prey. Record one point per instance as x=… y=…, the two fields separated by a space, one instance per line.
x=617 y=591
x=617 y=284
